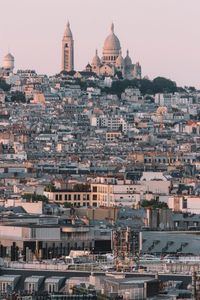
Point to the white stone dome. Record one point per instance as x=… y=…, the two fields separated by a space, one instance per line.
x=8 y=61
x=120 y=60
x=127 y=60
x=112 y=42
x=96 y=60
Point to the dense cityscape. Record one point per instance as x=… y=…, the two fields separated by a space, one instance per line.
x=99 y=181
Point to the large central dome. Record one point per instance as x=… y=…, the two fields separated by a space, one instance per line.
x=112 y=42
x=112 y=47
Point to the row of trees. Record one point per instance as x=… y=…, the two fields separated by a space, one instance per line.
x=34 y=198
x=153 y=204
x=146 y=86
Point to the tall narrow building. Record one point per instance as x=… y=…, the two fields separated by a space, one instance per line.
x=67 y=50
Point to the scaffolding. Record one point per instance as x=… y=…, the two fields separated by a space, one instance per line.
x=125 y=246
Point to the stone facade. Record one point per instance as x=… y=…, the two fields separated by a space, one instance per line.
x=67 y=50
x=112 y=62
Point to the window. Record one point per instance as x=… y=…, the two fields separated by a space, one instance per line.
x=94 y=189
x=94 y=197
x=3 y=286
x=69 y=197
x=60 y=197
x=184 y=203
x=79 y=197
x=65 y=196
x=33 y=233
x=56 y=196
x=176 y=223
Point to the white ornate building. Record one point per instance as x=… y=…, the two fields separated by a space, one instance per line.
x=112 y=62
x=8 y=62
x=67 y=50
x=8 y=65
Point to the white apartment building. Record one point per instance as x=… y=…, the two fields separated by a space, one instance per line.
x=185 y=203
x=156 y=183
x=113 y=123
x=113 y=192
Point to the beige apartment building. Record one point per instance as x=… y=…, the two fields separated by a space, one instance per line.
x=114 y=192
x=111 y=192
x=184 y=203
x=75 y=198
x=103 y=191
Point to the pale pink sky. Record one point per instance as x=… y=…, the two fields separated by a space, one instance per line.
x=164 y=35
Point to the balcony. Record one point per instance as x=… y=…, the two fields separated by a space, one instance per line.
x=75 y=229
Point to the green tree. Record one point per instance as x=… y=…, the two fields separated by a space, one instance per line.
x=4 y=86
x=50 y=188
x=34 y=198
x=153 y=204
x=164 y=85
x=146 y=86
x=18 y=97
x=67 y=205
x=79 y=187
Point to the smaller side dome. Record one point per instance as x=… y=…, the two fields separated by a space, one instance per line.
x=8 y=61
x=127 y=60
x=119 y=60
x=96 y=60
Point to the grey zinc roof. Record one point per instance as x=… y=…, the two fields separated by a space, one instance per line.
x=33 y=279
x=9 y=278
x=54 y=279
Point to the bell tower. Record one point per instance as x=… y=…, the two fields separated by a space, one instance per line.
x=67 y=50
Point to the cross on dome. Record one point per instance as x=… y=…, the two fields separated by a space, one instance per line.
x=112 y=27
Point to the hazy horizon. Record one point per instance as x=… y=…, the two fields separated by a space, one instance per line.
x=164 y=36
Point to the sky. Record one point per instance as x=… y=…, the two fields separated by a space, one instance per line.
x=163 y=35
